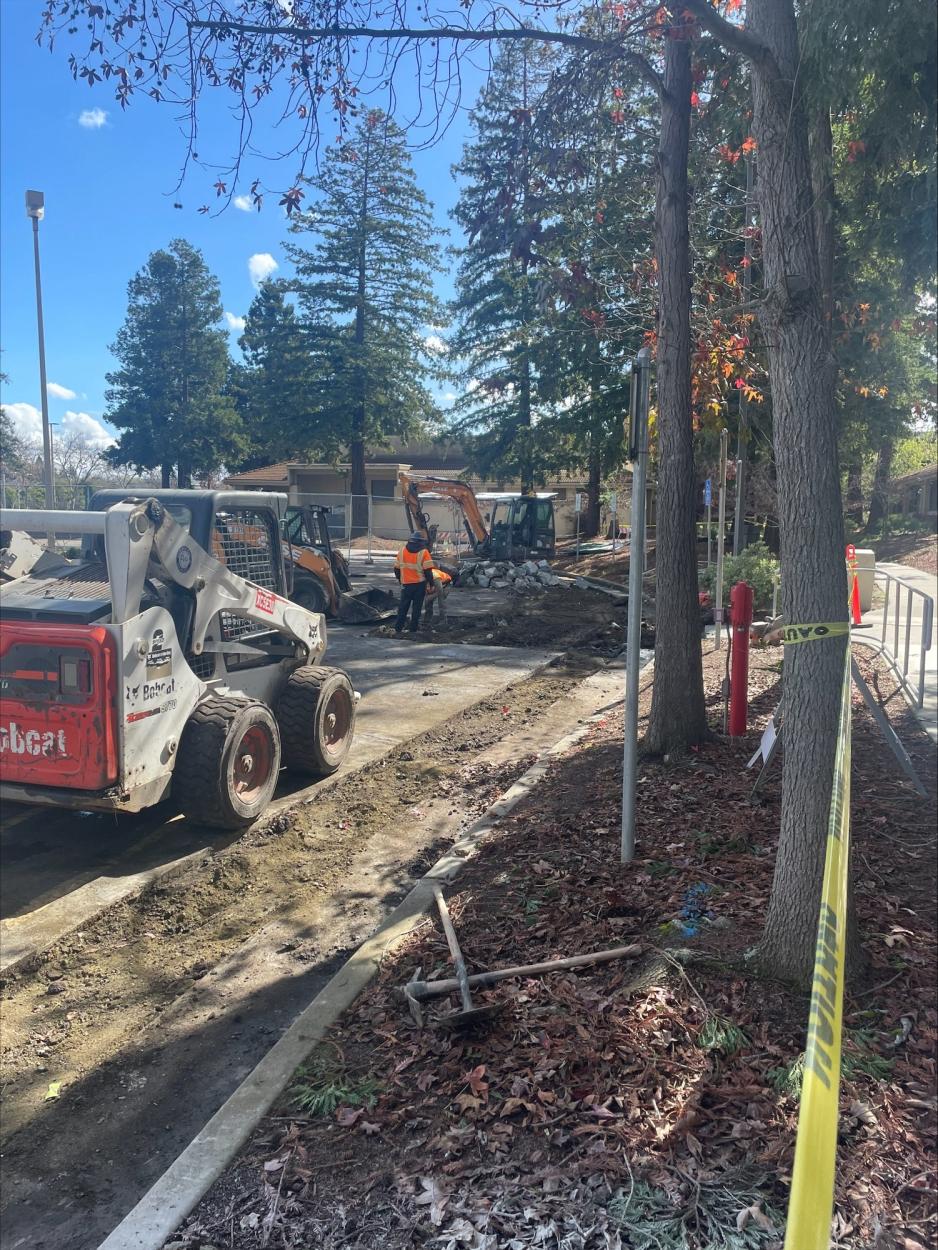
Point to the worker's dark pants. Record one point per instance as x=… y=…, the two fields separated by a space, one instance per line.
x=412 y=597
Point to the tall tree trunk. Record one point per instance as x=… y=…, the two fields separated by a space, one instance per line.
x=854 y=500
x=678 y=717
x=359 y=509
x=878 y=497
x=814 y=585
x=166 y=473
x=524 y=384
x=593 y=487
x=822 y=182
x=183 y=474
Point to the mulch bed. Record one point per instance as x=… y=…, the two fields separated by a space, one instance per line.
x=638 y=1104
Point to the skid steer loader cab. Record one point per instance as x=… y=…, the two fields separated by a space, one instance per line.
x=167 y=660
x=321 y=578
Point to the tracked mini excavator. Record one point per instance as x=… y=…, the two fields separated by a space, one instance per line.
x=520 y=524
x=167 y=661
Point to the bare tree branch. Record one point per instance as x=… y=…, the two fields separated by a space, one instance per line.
x=608 y=47
x=730 y=35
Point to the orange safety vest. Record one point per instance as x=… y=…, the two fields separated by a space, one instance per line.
x=412 y=565
x=440 y=576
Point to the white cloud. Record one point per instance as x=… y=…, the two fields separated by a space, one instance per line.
x=244 y=202
x=260 y=266
x=92 y=119
x=60 y=392
x=234 y=323
x=433 y=343
x=449 y=397
x=88 y=427
x=27 y=420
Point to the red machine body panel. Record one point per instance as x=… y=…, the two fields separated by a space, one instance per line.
x=58 y=705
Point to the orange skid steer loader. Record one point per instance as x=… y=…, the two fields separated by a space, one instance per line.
x=321 y=580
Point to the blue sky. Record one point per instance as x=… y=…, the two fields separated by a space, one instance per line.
x=109 y=182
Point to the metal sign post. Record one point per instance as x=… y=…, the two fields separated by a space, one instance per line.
x=721 y=534
x=638 y=454
x=577 y=506
x=614 y=509
x=708 y=500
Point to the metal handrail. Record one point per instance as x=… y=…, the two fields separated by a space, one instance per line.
x=900 y=596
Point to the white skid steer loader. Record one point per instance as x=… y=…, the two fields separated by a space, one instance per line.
x=167 y=661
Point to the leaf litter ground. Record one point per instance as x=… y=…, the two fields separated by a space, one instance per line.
x=647 y=1103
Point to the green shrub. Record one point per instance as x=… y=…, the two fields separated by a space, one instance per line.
x=756 y=565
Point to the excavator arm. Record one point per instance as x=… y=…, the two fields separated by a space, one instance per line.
x=413 y=487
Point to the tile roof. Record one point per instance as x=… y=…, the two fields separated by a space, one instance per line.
x=264 y=475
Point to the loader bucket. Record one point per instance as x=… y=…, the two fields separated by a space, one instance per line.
x=363 y=607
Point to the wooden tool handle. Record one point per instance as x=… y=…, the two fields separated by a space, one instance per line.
x=462 y=978
x=431 y=989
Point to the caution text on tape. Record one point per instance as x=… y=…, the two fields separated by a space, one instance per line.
x=809 y=633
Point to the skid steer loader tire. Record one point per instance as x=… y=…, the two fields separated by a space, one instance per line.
x=316 y=714
x=227 y=763
x=308 y=593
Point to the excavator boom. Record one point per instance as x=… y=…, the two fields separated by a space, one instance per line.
x=413 y=487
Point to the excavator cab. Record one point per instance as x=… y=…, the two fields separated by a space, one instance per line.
x=517 y=526
x=521 y=526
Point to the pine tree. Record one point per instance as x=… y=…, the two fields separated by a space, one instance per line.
x=366 y=295
x=596 y=307
x=169 y=395
x=503 y=208
x=278 y=389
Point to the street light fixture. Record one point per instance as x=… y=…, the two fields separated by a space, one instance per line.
x=35 y=210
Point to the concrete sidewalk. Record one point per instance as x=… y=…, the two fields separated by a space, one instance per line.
x=870 y=638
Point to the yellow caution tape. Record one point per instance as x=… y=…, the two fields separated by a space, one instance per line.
x=808 y=633
x=812 y=1186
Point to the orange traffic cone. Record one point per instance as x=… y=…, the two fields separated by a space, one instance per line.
x=855 y=589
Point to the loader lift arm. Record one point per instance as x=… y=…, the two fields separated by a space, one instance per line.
x=143 y=541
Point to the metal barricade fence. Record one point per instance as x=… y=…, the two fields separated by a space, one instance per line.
x=907 y=628
x=369 y=527
x=905 y=633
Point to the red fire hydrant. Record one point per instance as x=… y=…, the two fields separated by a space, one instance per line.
x=741 y=619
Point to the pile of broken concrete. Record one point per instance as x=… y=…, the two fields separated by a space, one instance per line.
x=503 y=575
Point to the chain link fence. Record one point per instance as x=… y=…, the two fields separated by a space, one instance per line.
x=362 y=525
x=73 y=496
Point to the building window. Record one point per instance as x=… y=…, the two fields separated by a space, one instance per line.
x=382 y=488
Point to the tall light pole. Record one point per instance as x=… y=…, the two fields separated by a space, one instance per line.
x=35 y=210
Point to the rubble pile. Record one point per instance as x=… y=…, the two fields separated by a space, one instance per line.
x=503 y=575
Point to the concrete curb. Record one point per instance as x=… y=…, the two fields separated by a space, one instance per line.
x=182 y=1186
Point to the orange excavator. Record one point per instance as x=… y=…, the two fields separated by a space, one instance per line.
x=518 y=525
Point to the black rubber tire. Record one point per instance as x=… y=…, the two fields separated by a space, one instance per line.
x=316 y=714
x=206 y=776
x=308 y=593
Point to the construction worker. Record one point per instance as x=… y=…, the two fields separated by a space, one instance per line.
x=413 y=568
x=437 y=596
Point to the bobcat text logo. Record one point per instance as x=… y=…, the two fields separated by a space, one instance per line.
x=48 y=742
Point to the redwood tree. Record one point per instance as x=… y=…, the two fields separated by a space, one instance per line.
x=678 y=713
x=801 y=377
